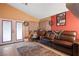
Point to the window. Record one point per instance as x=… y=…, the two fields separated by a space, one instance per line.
x=19 y=30
x=6 y=31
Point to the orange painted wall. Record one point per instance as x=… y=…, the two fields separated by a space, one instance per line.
x=8 y=12
x=72 y=23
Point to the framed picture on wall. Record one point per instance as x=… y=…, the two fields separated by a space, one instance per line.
x=61 y=19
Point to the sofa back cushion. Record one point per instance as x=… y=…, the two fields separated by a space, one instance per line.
x=48 y=34
x=68 y=36
x=41 y=32
x=52 y=36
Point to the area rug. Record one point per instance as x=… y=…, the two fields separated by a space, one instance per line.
x=35 y=50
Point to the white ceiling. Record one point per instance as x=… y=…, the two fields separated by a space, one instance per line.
x=41 y=10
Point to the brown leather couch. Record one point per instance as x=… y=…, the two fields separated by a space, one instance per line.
x=65 y=41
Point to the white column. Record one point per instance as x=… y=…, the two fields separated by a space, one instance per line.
x=14 y=39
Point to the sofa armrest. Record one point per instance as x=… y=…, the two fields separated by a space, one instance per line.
x=75 y=49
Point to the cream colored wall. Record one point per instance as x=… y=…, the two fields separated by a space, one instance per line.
x=33 y=26
x=44 y=23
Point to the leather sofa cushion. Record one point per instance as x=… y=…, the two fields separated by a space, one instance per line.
x=70 y=33
x=52 y=36
x=47 y=35
x=63 y=43
x=41 y=32
x=67 y=38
